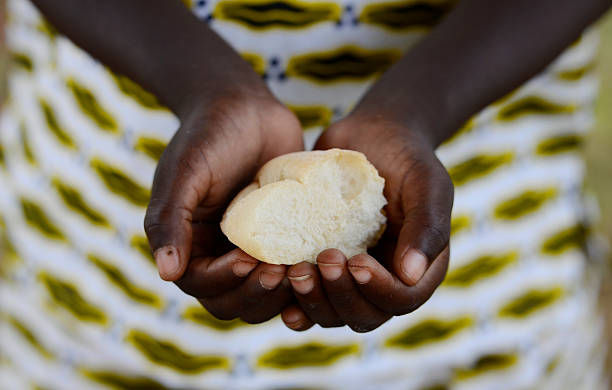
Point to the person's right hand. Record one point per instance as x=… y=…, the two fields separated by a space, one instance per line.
x=223 y=140
x=410 y=260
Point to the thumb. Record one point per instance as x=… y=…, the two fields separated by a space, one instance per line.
x=335 y=136
x=427 y=201
x=181 y=181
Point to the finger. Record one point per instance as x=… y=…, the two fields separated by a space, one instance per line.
x=181 y=181
x=263 y=295
x=343 y=293
x=308 y=290
x=208 y=240
x=425 y=230
x=296 y=319
x=332 y=137
x=208 y=276
x=387 y=292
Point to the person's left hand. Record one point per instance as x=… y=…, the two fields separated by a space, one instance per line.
x=227 y=133
x=410 y=260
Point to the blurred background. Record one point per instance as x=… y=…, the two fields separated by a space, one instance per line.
x=598 y=150
x=599 y=145
x=598 y=153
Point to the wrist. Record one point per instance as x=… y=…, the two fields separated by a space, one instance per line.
x=233 y=84
x=396 y=105
x=368 y=131
x=409 y=122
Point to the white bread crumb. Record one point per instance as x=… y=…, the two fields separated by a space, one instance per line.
x=303 y=203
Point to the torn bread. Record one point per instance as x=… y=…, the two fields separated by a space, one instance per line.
x=303 y=203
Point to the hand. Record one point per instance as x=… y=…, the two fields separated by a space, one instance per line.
x=411 y=259
x=224 y=138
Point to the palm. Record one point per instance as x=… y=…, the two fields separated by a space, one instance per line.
x=212 y=156
x=404 y=164
x=241 y=139
x=215 y=154
x=411 y=258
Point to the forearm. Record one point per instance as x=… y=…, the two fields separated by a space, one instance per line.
x=157 y=43
x=480 y=52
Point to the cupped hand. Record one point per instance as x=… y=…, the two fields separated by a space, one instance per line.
x=410 y=260
x=223 y=140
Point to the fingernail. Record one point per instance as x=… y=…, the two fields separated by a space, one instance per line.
x=167 y=260
x=243 y=268
x=270 y=280
x=361 y=275
x=414 y=265
x=292 y=317
x=302 y=284
x=330 y=272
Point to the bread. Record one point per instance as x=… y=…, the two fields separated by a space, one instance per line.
x=303 y=203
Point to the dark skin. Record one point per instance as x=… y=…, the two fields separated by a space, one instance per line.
x=231 y=125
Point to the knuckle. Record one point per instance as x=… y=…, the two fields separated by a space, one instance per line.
x=410 y=308
x=161 y=212
x=160 y=219
x=364 y=327
x=157 y=215
x=360 y=260
x=218 y=311
x=312 y=306
x=439 y=235
x=406 y=307
x=336 y=135
x=322 y=315
x=251 y=317
x=249 y=301
x=434 y=230
x=341 y=298
x=153 y=231
x=400 y=304
x=192 y=283
x=447 y=184
x=257 y=295
x=331 y=323
x=194 y=163
x=186 y=286
x=151 y=220
x=434 y=219
x=444 y=179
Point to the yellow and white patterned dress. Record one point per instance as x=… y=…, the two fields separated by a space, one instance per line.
x=82 y=306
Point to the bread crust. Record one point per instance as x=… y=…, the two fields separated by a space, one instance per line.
x=301 y=203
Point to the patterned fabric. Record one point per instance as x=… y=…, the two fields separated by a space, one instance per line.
x=83 y=307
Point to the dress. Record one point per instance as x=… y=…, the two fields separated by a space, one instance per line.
x=82 y=306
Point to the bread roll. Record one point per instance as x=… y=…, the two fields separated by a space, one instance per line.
x=303 y=203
